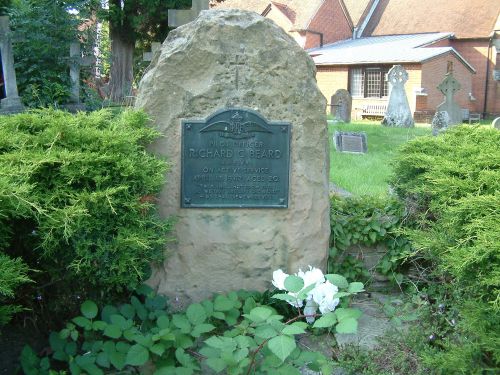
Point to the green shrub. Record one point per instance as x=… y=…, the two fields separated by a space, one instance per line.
x=367 y=221
x=77 y=199
x=13 y=272
x=451 y=185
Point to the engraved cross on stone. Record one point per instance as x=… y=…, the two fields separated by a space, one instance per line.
x=237 y=63
x=449 y=86
x=398 y=75
x=178 y=17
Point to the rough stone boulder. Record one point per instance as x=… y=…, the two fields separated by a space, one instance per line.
x=233 y=58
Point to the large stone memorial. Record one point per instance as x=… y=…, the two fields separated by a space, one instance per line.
x=398 y=112
x=245 y=132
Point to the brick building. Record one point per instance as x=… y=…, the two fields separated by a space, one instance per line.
x=311 y=23
x=469 y=38
x=360 y=66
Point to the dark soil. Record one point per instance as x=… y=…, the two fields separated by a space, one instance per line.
x=13 y=338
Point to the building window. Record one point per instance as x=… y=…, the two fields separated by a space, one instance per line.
x=369 y=82
x=357 y=82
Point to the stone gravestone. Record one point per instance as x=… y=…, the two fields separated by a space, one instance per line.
x=76 y=62
x=12 y=102
x=245 y=132
x=178 y=18
x=496 y=123
x=350 y=142
x=440 y=122
x=398 y=112
x=341 y=106
x=449 y=86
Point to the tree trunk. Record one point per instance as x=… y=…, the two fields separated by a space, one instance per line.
x=122 y=66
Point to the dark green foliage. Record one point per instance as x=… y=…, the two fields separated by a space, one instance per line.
x=43 y=31
x=367 y=221
x=451 y=185
x=13 y=272
x=77 y=197
x=231 y=333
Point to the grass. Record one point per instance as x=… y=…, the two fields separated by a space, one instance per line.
x=367 y=174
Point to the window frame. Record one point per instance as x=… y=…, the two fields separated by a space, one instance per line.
x=383 y=69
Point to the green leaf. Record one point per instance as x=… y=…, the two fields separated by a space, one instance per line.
x=107 y=311
x=304 y=292
x=162 y=322
x=89 y=309
x=99 y=325
x=294 y=283
x=222 y=303
x=201 y=329
x=265 y=331
x=260 y=314
x=344 y=313
x=327 y=320
x=112 y=331
x=293 y=329
x=222 y=343
x=117 y=359
x=216 y=364
x=122 y=347
x=80 y=321
x=196 y=313
x=181 y=322
x=158 y=349
x=348 y=325
x=127 y=311
x=338 y=280
x=356 y=287
x=137 y=355
x=120 y=321
x=284 y=297
x=282 y=346
x=103 y=360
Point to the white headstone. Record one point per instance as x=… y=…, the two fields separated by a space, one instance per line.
x=398 y=112
x=237 y=62
x=12 y=102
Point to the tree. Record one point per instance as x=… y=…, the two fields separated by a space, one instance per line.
x=130 y=22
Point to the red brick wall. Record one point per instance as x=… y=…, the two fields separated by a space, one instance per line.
x=476 y=52
x=330 y=21
x=433 y=73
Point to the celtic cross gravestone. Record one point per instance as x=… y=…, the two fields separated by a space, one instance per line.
x=246 y=136
x=398 y=112
x=448 y=87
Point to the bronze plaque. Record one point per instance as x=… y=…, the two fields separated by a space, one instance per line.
x=235 y=158
x=350 y=142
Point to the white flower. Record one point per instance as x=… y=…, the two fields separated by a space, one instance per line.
x=313 y=276
x=310 y=310
x=323 y=294
x=279 y=279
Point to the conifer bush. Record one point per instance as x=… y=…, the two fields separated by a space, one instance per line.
x=77 y=203
x=451 y=185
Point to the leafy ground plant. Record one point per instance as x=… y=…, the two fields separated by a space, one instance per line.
x=232 y=333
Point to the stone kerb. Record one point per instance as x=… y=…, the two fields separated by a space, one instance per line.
x=238 y=59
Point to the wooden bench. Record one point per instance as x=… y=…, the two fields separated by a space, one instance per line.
x=375 y=110
x=474 y=118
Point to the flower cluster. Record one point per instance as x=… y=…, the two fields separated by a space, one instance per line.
x=320 y=292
